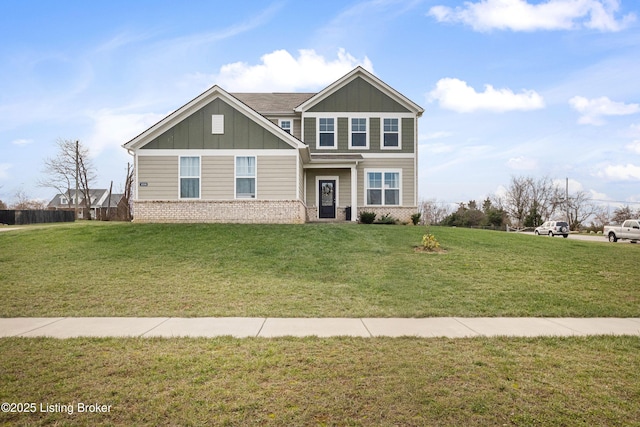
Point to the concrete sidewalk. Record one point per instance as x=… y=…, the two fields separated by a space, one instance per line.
x=240 y=327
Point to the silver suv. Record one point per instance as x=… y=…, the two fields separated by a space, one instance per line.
x=553 y=228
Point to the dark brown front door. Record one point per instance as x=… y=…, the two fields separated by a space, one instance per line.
x=327 y=192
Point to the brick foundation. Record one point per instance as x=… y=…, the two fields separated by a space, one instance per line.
x=226 y=211
x=403 y=214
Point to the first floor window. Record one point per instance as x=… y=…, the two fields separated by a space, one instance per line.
x=326 y=130
x=383 y=188
x=189 y=177
x=391 y=133
x=245 y=177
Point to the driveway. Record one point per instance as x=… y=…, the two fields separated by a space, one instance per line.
x=585 y=237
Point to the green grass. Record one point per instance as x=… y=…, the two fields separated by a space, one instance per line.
x=312 y=270
x=321 y=382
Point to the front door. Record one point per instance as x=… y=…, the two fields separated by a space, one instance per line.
x=327 y=196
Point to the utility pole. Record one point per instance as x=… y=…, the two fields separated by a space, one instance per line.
x=566 y=198
x=77 y=171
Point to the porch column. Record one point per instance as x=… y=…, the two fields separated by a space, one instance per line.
x=354 y=193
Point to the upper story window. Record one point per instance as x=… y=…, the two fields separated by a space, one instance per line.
x=391 y=133
x=358 y=132
x=245 y=177
x=189 y=177
x=326 y=133
x=286 y=125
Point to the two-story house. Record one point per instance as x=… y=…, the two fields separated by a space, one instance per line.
x=281 y=157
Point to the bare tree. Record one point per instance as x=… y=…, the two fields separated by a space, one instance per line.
x=24 y=202
x=125 y=202
x=622 y=214
x=433 y=212
x=517 y=200
x=71 y=168
x=580 y=208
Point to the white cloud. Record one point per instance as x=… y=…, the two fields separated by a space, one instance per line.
x=522 y=163
x=634 y=147
x=280 y=71
x=574 y=185
x=4 y=170
x=593 y=109
x=112 y=128
x=519 y=15
x=626 y=172
x=22 y=141
x=454 y=94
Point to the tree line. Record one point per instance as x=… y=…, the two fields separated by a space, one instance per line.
x=527 y=202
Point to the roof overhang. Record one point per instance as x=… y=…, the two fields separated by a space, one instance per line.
x=215 y=92
x=368 y=77
x=333 y=161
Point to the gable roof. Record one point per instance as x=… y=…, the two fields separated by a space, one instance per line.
x=213 y=93
x=368 y=77
x=273 y=103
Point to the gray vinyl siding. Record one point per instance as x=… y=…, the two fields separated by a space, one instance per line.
x=218 y=175
x=276 y=177
x=408 y=177
x=358 y=96
x=161 y=176
x=240 y=132
x=342 y=128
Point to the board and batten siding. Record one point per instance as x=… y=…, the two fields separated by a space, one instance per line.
x=158 y=176
x=358 y=96
x=240 y=132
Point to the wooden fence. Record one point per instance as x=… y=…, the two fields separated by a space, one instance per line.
x=21 y=217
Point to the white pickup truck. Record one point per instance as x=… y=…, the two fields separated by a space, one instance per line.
x=629 y=230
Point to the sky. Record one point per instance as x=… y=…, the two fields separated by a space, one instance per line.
x=510 y=88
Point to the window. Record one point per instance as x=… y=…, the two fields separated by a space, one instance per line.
x=391 y=133
x=189 y=177
x=245 y=177
x=359 y=133
x=286 y=125
x=217 y=124
x=383 y=188
x=326 y=133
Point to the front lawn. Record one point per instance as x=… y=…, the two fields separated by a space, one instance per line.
x=591 y=381
x=311 y=270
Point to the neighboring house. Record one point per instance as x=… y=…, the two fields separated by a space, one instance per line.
x=281 y=157
x=99 y=202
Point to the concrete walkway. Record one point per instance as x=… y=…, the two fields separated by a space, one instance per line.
x=240 y=327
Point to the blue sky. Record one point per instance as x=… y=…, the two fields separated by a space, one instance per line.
x=510 y=87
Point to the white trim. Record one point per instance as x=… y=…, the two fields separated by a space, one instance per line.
x=335 y=133
x=368 y=115
x=213 y=152
x=235 y=178
x=290 y=120
x=388 y=155
x=217 y=124
x=317 y=195
x=368 y=77
x=354 y=193
x=180 y=178
x=382 y=146
x=367 y=133
x=382 y=171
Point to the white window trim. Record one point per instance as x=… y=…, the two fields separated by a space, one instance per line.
x=382 y=146
x=335 y=133
x=290 y=125
x=199 y=179
x=382 y=171
x=235 y=178
x=367 y=133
